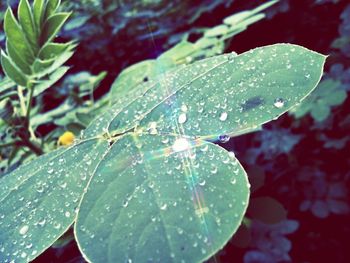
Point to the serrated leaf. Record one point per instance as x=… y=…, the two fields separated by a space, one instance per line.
x=38 y=205
x=26 y=21
x=12 y=71
x=16 y=37
x=52 y=27
x=161 y=205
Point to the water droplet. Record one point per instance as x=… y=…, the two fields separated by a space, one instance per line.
x=182 y=118
x=233 y=180
x=23 y=254
x=163 y=206
x=181 y=144
x=24 y=229
x=232 y=154
x=214 y=170
x=202 y=183
x=42 y=222
x=125 y=203
x=224 y=138
x=50 y=170
x=278 y=103
x=232 y=56
x=223 y=116
x=67 y=214
x=150 y=184
x=184 y=108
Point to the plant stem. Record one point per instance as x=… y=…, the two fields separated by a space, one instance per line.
x=21 y=100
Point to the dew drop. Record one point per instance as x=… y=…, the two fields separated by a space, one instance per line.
x=181 y=144
x=223 y=116
x=23 y=254
x=125 y=203
x=233 y=180
x=182 y=118
x=163 y=206
x=202 y=183
x=184 y=108
x=278 y=103
x=224 y=138
x=50 y=170
x=67 y=214
x=24 y=229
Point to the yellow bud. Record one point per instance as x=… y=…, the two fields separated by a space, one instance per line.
x=66 y=138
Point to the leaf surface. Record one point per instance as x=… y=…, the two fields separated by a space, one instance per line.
x=39 y=199
x=161 y=199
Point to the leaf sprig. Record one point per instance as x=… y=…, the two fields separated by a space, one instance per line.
x=31 y=54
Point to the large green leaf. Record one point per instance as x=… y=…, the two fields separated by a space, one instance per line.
x=245 y=92
x=225 y=94
x=161 y=199
x=160 y=192
x=39 y=200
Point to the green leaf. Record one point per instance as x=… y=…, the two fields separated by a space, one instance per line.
x=38 y=13
x=158 y=190
x=255 y=87
x=29 y=45
x=44 y=84
x=131 y=77
x=17 y=59
x=12 y=71
x=26 y=21
x=52 y=50
x=217 y=31
x=16 y=37
x=39 y=200
x=52 y=26
x=51 y=7
x=150 y=201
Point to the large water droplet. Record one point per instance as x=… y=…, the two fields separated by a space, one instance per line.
x=181 y=144
x=163 y=206
x=223 y=116
x=182 y=118
x=279 y=103
x=24 y=229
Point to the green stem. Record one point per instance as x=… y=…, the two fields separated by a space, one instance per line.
x=21 y=100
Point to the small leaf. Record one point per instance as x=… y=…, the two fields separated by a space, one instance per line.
x=38 y=13
x=26 y=21
x=12 y=71
x=52 y=27
x=44 y=84
x=17 y=59
x=51 y=8
x=16 y=37
x=52 y=50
